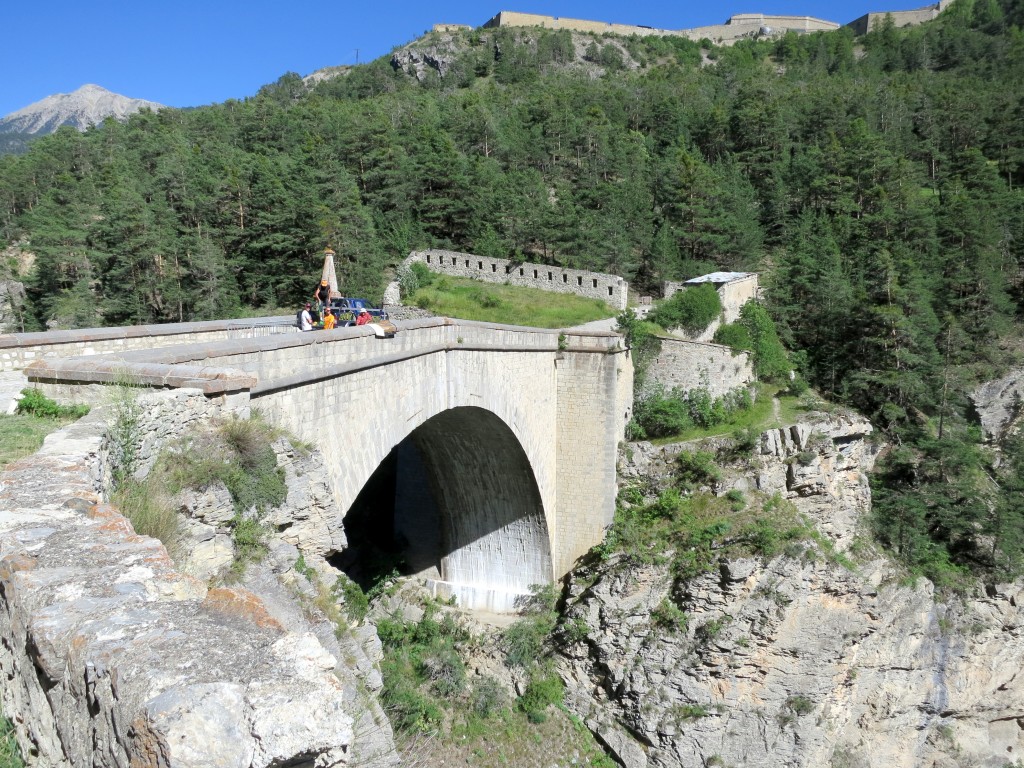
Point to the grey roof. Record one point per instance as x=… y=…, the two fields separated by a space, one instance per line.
x=719 y=277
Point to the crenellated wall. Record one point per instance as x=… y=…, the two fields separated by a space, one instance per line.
x=611 y=289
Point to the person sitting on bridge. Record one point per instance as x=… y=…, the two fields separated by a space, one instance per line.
x=305 y=319
x=329 y=320
x=364 y=317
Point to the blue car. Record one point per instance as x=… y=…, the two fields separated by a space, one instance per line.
x=348 y=308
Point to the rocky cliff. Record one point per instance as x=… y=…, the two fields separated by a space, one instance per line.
x=825 y=655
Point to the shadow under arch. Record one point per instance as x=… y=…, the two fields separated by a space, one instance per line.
x=457 y=501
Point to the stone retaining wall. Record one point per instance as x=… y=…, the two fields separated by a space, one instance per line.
x=114 y=658
x=611 y=289
x=691 y=364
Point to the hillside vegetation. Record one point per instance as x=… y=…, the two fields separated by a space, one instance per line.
x=874 y=182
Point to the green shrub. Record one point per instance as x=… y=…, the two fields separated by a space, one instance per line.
x=669 y=616
x=543 y=689
x=35 y=403
x=690 y=711
x=357 y=604
x=660 y=415
x=487 y=698
x=711 y=629
x=799 y=705
x=250 y=540
x=408 y=708
x=643 y=344
x=734 y=335
x=445 y=670
x=697 y=468
x=705 y=411
x=693 y=309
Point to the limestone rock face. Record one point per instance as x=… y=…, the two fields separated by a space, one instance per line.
x=12 y=306
x=418 y=59
x=112 y=657
x=797 y=663
x=802 y=660
x=310 y=517
x=998 y=403
x=309 y=520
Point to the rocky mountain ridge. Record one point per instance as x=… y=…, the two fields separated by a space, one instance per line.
x=86 y=106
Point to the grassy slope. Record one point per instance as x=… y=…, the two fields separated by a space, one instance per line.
x=469 y=299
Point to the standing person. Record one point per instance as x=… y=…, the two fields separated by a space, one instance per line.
x=322 y=295
x=305 y=319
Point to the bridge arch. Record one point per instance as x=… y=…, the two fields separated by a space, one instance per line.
x=465 y=512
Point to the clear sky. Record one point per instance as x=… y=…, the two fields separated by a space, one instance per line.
x=193 y=52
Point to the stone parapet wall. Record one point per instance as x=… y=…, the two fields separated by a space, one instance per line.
x=611 y=289
x=114 y=658
x=18 y=350
x=690 y=364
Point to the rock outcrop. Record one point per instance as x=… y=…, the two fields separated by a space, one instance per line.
x=806 y=660
x=112 y=657
x=998 y=403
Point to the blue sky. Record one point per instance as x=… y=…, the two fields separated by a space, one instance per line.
x=193 y=52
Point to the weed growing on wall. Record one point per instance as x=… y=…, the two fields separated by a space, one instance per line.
x=124 y=429
x=150 y=511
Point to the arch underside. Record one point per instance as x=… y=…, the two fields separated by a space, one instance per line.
x=468 y=513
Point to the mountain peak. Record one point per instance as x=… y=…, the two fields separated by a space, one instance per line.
x=88 y=105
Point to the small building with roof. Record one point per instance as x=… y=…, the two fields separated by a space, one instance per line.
x=734 y=290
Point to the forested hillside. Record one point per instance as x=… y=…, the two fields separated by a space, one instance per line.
x=874 y=181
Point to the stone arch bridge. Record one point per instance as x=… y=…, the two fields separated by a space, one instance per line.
x=501 y=440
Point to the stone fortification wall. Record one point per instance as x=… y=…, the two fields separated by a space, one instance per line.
x=738 y=26
x=515 y=19
x=691 y=364
x=868 y=21
x=610 y=289
x=19 y=349
x=114 y=658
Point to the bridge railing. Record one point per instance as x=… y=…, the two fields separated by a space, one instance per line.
x=20 y=349
x=268 y=362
